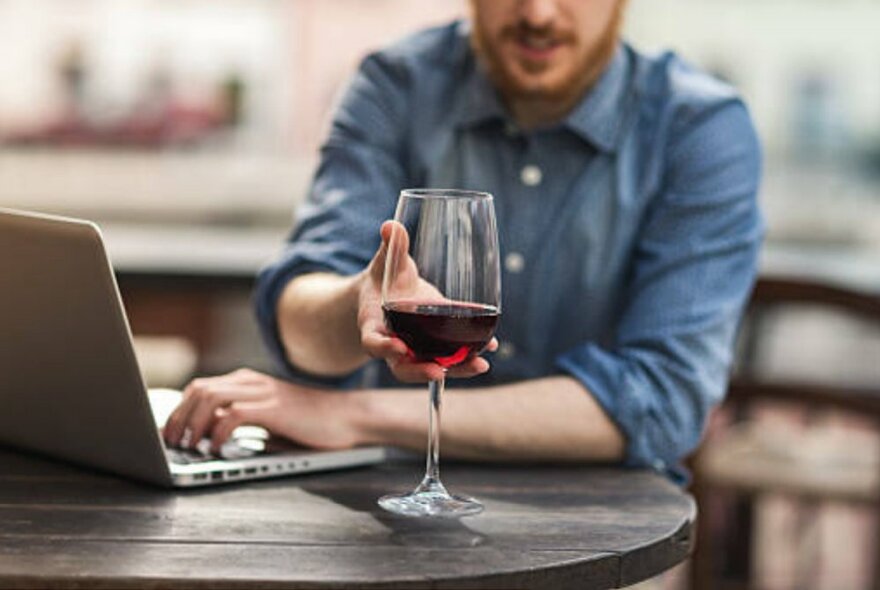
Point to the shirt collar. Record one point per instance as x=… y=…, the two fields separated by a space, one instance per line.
x=597 y=118
x=479 y=101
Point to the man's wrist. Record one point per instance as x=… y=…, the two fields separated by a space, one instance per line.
x=363 y=417
x=388 y=416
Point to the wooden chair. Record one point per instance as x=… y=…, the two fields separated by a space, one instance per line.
x=740 y=461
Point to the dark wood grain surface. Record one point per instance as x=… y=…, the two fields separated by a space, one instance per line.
x=544 y=527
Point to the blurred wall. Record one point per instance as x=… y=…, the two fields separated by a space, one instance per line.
x=770 y=47
x=808 y=69
x=76 y=72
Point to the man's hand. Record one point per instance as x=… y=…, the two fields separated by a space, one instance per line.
x=216 y=406
x=376 y=339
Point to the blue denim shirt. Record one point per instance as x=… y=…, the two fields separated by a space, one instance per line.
x=629 y=232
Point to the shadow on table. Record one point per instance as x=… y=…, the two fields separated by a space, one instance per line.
x=403 y=530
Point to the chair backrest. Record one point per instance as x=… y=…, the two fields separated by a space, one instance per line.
x=780 y=291
x=738 y=456
x=774 y=294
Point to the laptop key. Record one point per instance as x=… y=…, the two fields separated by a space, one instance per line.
x=231 y=449
x=187 y=456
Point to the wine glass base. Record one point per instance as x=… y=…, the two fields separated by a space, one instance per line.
x=430 y=504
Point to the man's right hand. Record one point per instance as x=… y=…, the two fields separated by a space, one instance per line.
x=215 y=406
x=377 y=340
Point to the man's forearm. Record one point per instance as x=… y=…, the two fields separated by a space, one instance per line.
x=547 y=419
x=317 y=321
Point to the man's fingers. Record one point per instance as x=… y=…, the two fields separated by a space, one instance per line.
x=223 y=429
x=412 y=372
x=408 y=371
x=377 y=342
x=385 y=231
x=472 y=368
x=377 y=266
x=381 y=346
x=395 y=239
x=400 y=265
x=209 y=400
x=398 y=242
x=201 y=398
x=175 y=425
x=228 y=419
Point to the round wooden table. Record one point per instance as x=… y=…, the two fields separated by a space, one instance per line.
x=543 y=527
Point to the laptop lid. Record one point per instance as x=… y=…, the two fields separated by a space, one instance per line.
x=70 y=386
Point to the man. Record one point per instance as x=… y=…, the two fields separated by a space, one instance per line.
x=626 y=198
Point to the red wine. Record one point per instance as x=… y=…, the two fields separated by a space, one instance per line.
x=447 y=334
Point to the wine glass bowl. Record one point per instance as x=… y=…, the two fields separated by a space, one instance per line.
x=441 y=295
x=446 y=333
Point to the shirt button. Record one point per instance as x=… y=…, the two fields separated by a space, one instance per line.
x=510 y=129
x=506 y=350
x=531 y=175
x=659 y=464
x=514 y=262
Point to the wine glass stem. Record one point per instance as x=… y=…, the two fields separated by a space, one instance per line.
x=432 y=469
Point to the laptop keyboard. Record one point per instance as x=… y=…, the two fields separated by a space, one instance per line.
x=187 y=457
x=231 y=449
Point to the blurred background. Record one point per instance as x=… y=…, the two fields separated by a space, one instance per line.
x=189 y=130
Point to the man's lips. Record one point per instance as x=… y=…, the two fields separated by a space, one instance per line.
x=536 y=48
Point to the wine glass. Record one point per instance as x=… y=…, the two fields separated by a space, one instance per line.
x=441 y=295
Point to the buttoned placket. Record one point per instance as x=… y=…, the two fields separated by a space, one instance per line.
x=526 y=177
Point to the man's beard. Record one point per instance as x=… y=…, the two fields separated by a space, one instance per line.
x=585 y=73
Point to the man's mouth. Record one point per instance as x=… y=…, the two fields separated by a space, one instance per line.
x=537 y=47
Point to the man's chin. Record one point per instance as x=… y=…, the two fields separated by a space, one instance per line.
x=534 y=88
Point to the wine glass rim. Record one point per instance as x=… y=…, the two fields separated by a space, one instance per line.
x=445 y=193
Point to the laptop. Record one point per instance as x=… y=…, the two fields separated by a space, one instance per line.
x=70 y=385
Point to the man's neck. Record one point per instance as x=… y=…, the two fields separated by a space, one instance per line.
x=533 y=112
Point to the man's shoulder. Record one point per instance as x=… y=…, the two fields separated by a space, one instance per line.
x=428 y=49
x=672 y=84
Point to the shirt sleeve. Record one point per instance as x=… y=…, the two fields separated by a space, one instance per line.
x=694 y=264
x=354 y=189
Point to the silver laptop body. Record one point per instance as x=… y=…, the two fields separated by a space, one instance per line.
x=70 y=385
